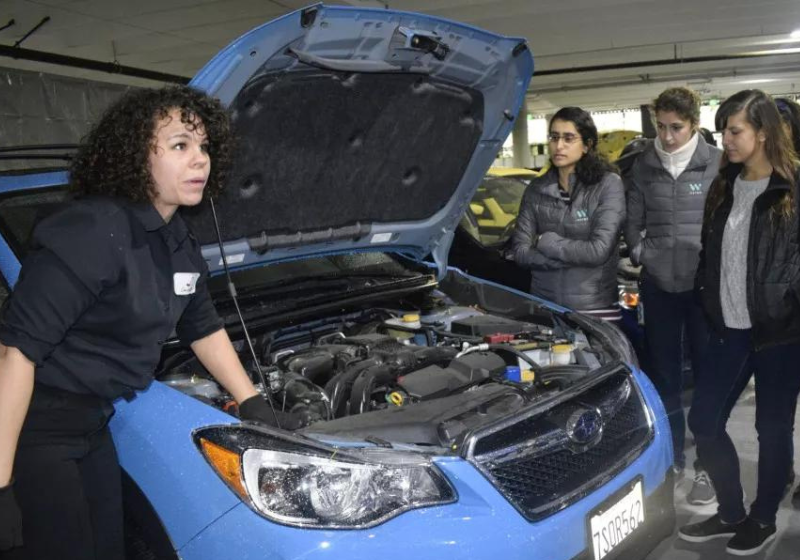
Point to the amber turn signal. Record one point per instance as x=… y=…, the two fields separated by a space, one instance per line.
x=227 y=463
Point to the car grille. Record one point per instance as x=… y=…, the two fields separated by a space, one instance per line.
x=540 y=465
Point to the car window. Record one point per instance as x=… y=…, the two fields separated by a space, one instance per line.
x=19 y=213
x=22 y=210
x=493 y=210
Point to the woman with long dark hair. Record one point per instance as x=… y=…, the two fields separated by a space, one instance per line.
x=667 y=189
x=748 y=281
x=568 y=226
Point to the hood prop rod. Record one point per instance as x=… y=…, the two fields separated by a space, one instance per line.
x=234 y=297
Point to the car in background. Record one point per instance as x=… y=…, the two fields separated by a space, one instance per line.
x=487 y=225
x=495 y=204
x=445 y=416
x=612 y=143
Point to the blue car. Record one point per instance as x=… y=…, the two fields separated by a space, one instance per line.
x=444 y=416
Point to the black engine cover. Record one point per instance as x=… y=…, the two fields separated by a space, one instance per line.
x=435 y=382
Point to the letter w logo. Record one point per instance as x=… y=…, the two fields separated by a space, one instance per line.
x=695 y=187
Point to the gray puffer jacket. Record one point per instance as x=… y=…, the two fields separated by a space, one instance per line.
x=665 y=215
x=574 y=262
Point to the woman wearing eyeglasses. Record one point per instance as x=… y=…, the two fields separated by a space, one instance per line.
x=667 y=190
x=567 y=231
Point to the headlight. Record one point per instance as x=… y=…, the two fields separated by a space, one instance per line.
x=302 y=483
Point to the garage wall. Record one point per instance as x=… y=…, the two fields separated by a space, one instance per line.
x=38 y=108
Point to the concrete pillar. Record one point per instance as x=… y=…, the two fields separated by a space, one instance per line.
x=522 y=150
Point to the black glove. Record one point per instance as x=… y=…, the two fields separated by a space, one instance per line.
x=257 y=409
x=10 y=519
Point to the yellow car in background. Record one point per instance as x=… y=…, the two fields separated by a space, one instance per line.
x=611 y=144
x=495 y=206
x=487 y=225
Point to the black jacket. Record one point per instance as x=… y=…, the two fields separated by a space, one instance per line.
x=773 y=266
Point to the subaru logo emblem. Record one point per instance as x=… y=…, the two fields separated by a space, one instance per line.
x=584 y=426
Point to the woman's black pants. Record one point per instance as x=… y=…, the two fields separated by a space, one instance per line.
x=67 y=480
x=731 y=362
x=667 y=315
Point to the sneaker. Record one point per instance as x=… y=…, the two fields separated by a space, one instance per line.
x=710 y=529
x=702 y=492
x=750 y=538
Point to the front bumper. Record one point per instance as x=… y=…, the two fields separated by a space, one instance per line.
x=481 y=524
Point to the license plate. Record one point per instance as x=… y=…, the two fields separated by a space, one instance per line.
x=613 y=523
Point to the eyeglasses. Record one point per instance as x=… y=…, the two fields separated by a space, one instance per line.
x=568 y=138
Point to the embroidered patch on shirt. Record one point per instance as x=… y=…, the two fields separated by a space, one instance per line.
x=185 y=283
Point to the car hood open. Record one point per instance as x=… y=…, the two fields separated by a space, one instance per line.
x=358 y=129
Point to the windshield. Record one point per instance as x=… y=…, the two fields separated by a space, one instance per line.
x=366 y=266
x=22 y=210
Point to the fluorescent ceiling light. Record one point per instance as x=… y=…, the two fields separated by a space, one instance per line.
x=775 y=51
x=758 y=81
x=795 y=34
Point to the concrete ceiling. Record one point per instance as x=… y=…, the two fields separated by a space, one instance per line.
x=715 y=46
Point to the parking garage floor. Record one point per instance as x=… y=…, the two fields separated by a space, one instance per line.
x=787 y=544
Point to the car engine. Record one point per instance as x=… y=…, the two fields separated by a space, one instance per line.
x=424 y=378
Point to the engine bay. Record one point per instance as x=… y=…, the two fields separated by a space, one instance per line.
x=421 y=376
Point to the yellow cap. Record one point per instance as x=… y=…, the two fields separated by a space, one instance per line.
x=410 y=318
x=396 y=398
x=527 y=376
x=562 y=348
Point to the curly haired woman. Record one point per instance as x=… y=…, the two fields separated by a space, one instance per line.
x=108 y=279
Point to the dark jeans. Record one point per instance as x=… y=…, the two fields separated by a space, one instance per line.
x=68 y=480
x=666 y=316
x=731 y=362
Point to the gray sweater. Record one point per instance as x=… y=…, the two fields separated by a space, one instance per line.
x=574 y=262
x=733 y=268
x=665 y=215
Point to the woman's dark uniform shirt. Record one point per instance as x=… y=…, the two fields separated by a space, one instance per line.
x=106 y=283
